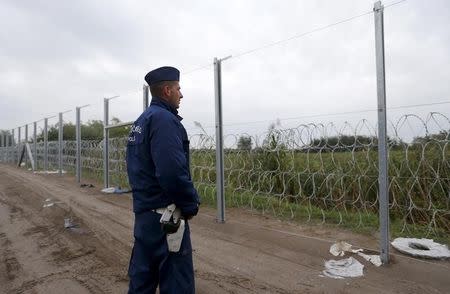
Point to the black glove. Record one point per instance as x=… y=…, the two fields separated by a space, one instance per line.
x=171 y=226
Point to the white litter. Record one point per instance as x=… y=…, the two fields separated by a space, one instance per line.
x=344 y=268
x=426 y=248
x=68 y=223
x=339 y=248
x=115 y=190
x=48 y=203
x=349 y=267
x=374 y=259
x=109 y=190
x=50 y=172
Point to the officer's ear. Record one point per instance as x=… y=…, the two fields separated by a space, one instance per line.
x=166 y=89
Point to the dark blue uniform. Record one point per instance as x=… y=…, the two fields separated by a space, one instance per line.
x=158 y=171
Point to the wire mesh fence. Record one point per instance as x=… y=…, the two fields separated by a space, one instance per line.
x=313 y=172
x=8 y=154
x=117 y=163
x=319 y=172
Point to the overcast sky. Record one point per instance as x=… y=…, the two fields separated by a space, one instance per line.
x=56 y=55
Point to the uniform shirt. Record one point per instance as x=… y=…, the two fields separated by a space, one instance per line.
x=158 y=161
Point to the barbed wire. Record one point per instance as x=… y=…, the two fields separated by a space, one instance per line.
x=313 y=172
x=329 y=173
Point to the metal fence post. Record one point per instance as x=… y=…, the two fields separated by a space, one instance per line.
x=46 y=144
x=13 y=144
x=35 y=145
x=2 y=145
x=220 y=190
x=11 y=148
x=7 y=147
x=5 y=155
x=106 y=143
x=19 y=137
x=78 y=142
x=25 y=142
x=4 y=136
x=383 y=180
x=8 y=139
x=60 y=143
x=145 y=97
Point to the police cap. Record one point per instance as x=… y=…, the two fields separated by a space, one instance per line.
x=165 y=73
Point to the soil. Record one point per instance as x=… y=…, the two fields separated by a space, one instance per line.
x=250 y=253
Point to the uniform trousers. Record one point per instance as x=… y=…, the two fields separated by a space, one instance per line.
x=152 y=264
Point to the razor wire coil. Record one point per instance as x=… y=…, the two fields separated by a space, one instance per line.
x=325 y=172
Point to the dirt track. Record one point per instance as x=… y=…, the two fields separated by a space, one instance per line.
x=248 y=254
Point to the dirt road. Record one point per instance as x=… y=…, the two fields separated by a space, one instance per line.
x=248 y=254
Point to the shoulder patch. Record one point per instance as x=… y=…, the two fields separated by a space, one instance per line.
x=136 y=135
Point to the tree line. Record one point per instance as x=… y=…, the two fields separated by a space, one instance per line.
x=91 y=130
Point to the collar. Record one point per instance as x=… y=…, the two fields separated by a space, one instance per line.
x=162 y=103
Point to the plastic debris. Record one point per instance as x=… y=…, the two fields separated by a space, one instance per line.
x=115 y=190
x=49 y=172
x=426 y=248
x=109 y=190
x=68 y=223
x=48 y=202
x=344 y=268
x=339 y=248
x=374 y=259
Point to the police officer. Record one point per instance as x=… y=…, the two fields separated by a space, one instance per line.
x=158 y=171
